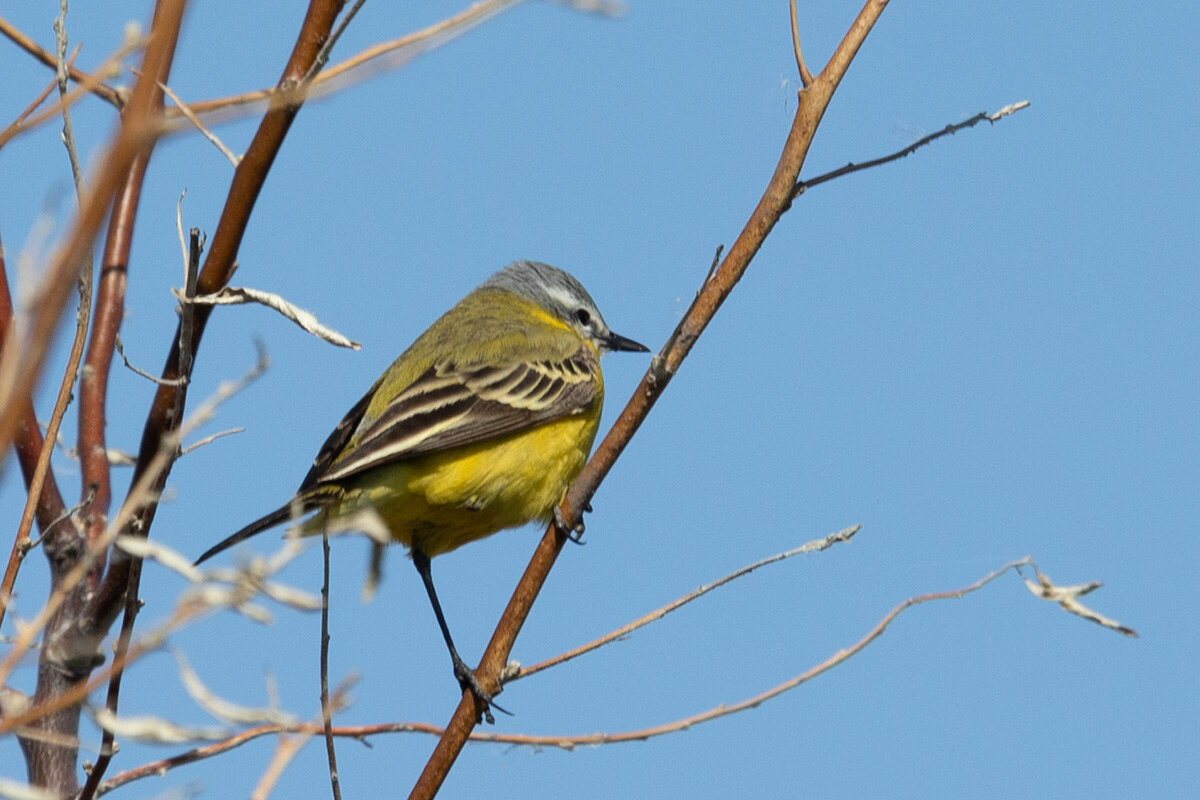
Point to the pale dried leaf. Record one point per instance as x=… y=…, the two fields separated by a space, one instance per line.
x=221 y=708
x=17 y=790
x=1066 y=597
x=170 y=558
x=237 y=295
x=156 y=730
x=291 y=596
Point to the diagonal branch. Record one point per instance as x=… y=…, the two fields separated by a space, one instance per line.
x=813 y=100
x=29 y=443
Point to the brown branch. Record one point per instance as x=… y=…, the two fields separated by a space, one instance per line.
x=135 y=135
x=45 y=503
x=97 y=87
x=109 y=311
x=813 y=100
x=192 y=607
x=248 y=180
x=119 y=587
x=29 y=444
x=67 y=657
x=93 y=449
x=36 y=481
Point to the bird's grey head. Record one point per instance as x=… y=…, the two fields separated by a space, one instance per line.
x=563 y=296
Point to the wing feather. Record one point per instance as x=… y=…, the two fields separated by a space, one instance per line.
x=451 y=406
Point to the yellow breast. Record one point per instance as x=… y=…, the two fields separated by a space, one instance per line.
x=442 y=501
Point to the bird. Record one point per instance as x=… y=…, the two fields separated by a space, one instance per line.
x=480 y=425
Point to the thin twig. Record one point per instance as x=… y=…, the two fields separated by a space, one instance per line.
x=806 y=77
x=120 y=348
x=82 y=314
x=95 y=84
x=571 y=741
x=29 y=444
x=816 y=545
x=86 y=83
x=369 y=61
x=288 y=748
x=326 y=709
x=949 y=130
x=200 y=126
x=212 y=437
x=323 y=56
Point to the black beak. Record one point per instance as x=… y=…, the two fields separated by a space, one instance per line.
x=615 y=341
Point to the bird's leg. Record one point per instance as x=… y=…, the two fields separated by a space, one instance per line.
x=574 y=534
x=465 y=676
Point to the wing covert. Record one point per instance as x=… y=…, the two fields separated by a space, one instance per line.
x=451 y=406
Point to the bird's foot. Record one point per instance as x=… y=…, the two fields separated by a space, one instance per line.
x=575 y=534
x=467 y=680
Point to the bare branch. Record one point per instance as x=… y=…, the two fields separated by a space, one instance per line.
x=816 y=545
x=949 y=130
x=212 y=437
x=115 y=96
x=394 y=54
x=806 y=77
x=29 y=444
x=571 y=741
x=119 y=345
x=187 y=112
x=86 y=83
x=290 y=746
x=326 y=706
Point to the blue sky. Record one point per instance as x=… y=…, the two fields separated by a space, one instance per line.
x=984 y=351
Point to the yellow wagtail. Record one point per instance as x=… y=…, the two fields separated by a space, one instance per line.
x=480 y=425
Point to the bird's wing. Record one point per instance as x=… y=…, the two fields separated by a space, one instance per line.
x=451 y=406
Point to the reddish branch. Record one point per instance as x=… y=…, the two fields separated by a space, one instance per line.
x=28 y=443
x=93 y=384
x=813 y=100
x=166 y=409
x=119 y=587
x=66 y=658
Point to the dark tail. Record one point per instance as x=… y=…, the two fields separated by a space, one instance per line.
x=280 y=515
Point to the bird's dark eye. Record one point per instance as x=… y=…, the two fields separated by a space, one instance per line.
x=583 y=316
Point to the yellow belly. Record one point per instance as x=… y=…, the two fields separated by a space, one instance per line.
x=442 y=501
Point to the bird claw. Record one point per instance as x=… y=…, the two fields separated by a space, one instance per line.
x=575 y=534
x=467 y=681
